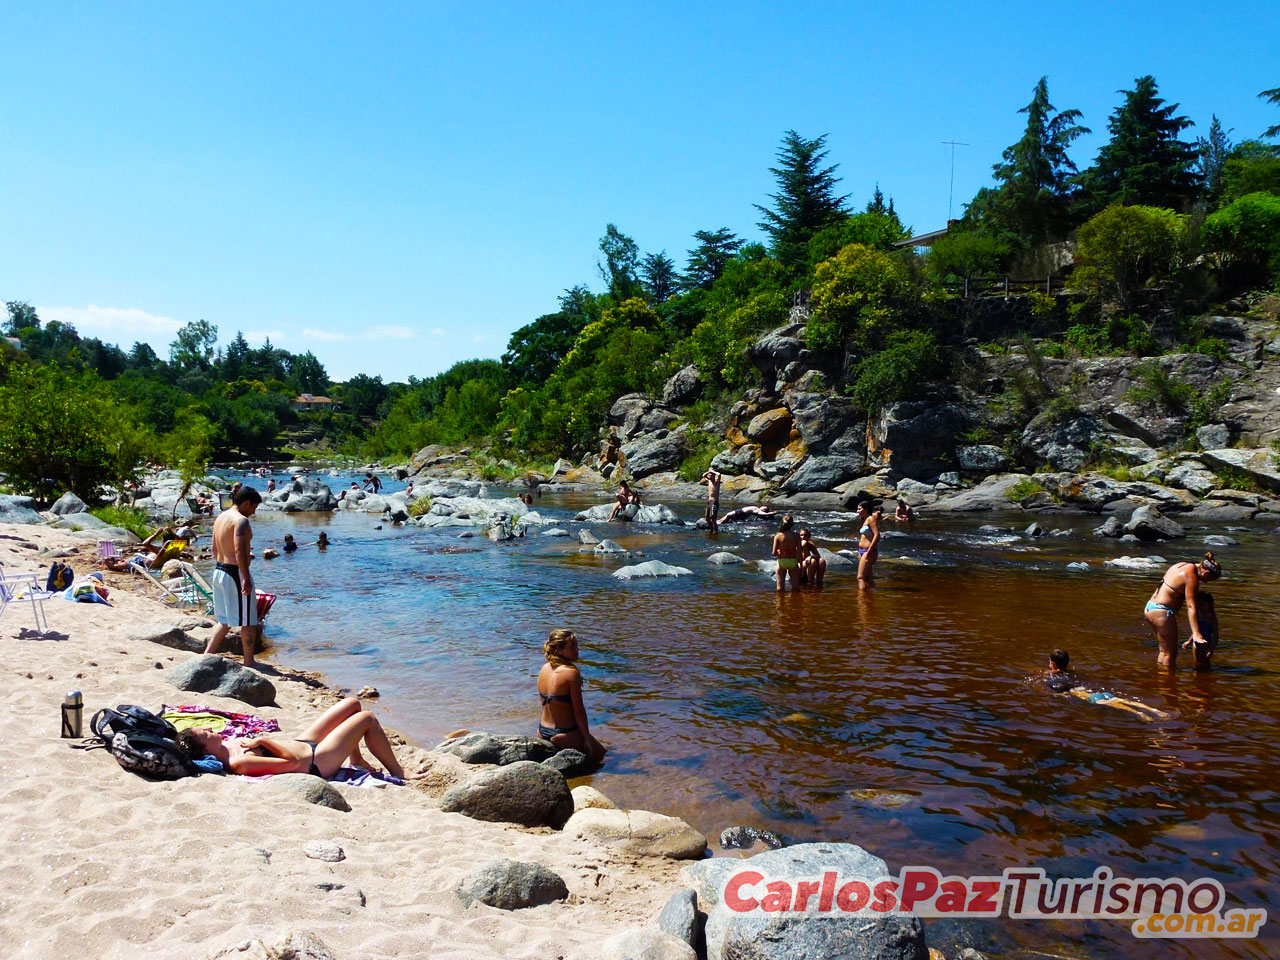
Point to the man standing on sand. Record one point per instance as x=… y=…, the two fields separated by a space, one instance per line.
x=713 y=478
x=235 y=603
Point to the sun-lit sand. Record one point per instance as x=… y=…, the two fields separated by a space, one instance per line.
x=102 y=863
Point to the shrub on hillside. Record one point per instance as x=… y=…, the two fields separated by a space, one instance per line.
x=898 y=372
x=1122 y=249
x=856 y=294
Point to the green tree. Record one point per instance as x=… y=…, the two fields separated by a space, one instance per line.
x=536 y=349
x=1123 y=248
x=806 y=200
x=658 y=277
x=188 y=448
x=1244 y=236
x=1212 y=152
x=1028 y=205
x=308 y=374
x=720 y=343
x=21 y=316
x=142 y=357
x=234 y=360
x=856 y=295
x=1271 y=96
x=193 y=350
x=363 y=395
x=965 y=254
x=621 y=262
x=910 y=360
x=1251 y=167
x=707 y=260
x=881 y=230
x=1145 y=162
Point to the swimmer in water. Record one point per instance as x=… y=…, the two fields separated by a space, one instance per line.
x=786 y=548
x=1181 y=584
x=1060 y=679
x=322 y=541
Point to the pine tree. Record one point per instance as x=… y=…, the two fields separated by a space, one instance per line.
x=1271 y=96
x=1144 y=162
x=1213 y=151
x=806 y=200
x=706 y=261
x=658 y=276
x=876 y=204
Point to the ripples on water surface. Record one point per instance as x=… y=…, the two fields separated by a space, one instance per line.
x=903 y=719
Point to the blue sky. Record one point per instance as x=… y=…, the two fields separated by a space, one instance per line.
x=397 y=187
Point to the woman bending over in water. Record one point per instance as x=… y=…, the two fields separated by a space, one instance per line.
x=786 y=547
x=1181 y=584
x=563 y=723
x=868 y=543
x=321 y=749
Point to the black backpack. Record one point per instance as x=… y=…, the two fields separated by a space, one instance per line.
x=61 y=576
x=142 y=742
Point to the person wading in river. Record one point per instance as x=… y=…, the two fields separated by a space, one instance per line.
x=786 y=548
x=235 y=604
x=1181 y=584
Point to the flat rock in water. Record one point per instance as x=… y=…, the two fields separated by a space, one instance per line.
x=1112 y=527
x=588 y=538
x=607 y=546
x=555 y=532
x=1078 y=565
x=645 y=945
x=325 y=850
x=651 y=568
x=1218 y=540
x=638 y=832
x=512 y=885
x=724 y=557
x=657 y=513
x=1148 y=523
x=741 y=838
x=500 y=749
x=213 y=674
x=1135 y=563
x=571 y=763
x=526 y=793
x=311 y=789
x=757 y=935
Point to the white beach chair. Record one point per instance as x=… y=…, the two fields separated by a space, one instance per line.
x=24 y=588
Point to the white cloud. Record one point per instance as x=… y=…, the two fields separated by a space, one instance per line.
x=326 y=335
x=438 y=332
x=113 y=324
x=392 y=333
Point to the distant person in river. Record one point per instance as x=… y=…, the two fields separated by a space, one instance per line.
x=271 y=485
x=321 y=750
x=290 y=544
x=786 y=548
x=905 y=512
x=750 y=512
x=372 y=483
x=1060 y=679
x=1181 y=584
x=712 y=478
x=563 y=722
x=868 y=543
x=813 y=566
x=322 y=541
x=626 y=497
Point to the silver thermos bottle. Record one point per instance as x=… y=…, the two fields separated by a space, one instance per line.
x=73 y=715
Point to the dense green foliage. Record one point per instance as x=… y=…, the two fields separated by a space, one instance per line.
x=1123 y=248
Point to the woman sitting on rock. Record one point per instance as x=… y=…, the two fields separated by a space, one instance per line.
x=1181 y=584
x=323 y=747
x=563 y=723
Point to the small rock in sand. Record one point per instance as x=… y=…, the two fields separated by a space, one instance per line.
x=325 y=850
x=585 y=797
x=368 y=693
x=512 y=885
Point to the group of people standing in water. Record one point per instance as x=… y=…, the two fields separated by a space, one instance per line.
x=800 y=559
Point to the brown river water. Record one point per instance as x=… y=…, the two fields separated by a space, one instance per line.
x=909 y=719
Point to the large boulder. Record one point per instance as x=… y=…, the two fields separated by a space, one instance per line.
x=822 y=473
x=809 y=934
x=683 y=387
x=638 y=832
x=1068 y=445
x=222 y=678
x=991 y=494
x=655 y=452
x=68 y=503
x=823 y=419
x=635 y=413
x=304 y=495
x=526 y=793
x=737 y=461
x=651 y=568
x=1148 y=523
x=499 y=749
x=17 y=509
x=1257 y=465
x=1191 y=477
x=981 y=459
x=655 y=513
x=915 y=438
x=170 y=636
x=771 y=428
x=778 y=349
x=512 y=885
x=1153 y=429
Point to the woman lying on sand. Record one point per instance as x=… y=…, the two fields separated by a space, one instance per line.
x=323 y=747
x=564 y=719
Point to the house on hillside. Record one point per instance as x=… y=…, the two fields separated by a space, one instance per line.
x=922 y=241
x=306 y=401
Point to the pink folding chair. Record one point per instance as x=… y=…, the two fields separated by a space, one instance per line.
x=107 y=548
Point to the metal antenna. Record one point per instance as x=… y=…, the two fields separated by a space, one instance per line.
x=952 y=189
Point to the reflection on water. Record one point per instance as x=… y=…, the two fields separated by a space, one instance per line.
x=909 y=718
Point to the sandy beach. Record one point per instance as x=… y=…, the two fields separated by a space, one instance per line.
x=103 y=863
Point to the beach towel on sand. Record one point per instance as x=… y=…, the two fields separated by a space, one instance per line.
x=227 y=724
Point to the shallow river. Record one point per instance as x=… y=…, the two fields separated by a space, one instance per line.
x=908 y=719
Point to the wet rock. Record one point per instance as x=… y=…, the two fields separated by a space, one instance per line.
x=1135 y=563
x=651 y=568
x=608 y=546
x=1078 y=566
x=499 y=749
x=638 y=832
x=1218 y=540
x=657 y=513
x=587 y=537
x=741 y=838
x=69 y=503
x=311 y=789
x=645 y=945
x=1148 y=523
x=556 y=532
x=760 y=935
x=1035 y=530
x=570 y=763
x=303 y=495
x=821 y=473
x=981 y=459
x=526 y=793
x=325 y=850
x=683 y=387
x=368 y=693
x=679 y=917
x=512 y=885
x=585 y=798
x=222 y=678
x=724 y=557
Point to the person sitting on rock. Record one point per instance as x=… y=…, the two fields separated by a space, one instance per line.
x=626 y=497
x=321 y=750
x=563 y=723
x=905 y=512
